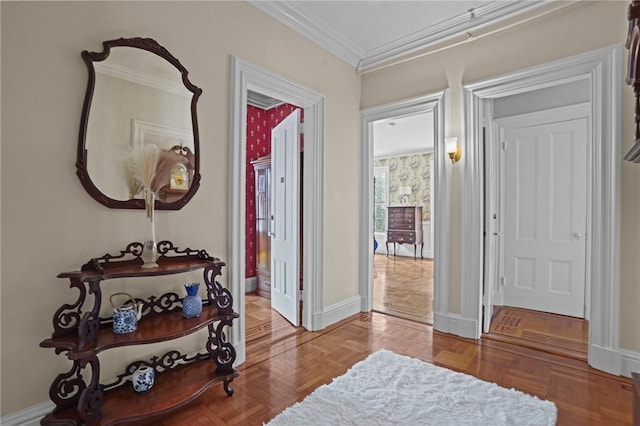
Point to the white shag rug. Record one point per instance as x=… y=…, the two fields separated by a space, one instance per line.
x=390 y=389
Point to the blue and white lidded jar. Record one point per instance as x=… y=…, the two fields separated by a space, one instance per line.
x=192 y=303
x=143 y=378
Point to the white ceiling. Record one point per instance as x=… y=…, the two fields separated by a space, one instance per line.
x=403 y=135
x=369 y=33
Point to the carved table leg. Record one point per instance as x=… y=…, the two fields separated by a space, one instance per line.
x=222 y=352
x=69 y=391
x=227 y=388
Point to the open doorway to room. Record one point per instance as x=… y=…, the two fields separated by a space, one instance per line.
x=267 y=309
x=248 y=77
x=538 y=160
x=403 y=154
x=432 y=107
x=483 y=213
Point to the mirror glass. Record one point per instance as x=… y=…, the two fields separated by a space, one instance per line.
x=138 y=94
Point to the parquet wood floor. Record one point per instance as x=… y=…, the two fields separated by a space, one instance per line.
x=403 y=287
x=553 y=333
x=279 y=373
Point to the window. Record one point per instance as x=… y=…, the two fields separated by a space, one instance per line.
x=380 y=197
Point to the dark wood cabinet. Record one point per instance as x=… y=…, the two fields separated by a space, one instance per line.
x=262 y=168
x=80 y=398
x=404 y=226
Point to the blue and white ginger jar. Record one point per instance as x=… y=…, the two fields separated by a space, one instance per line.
x=143 y=378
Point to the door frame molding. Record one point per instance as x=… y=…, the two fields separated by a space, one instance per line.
x=246 y=76
x=440 y=194
x=603 y=69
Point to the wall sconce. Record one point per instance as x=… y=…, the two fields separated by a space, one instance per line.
x=453 y=149
x=405 y=191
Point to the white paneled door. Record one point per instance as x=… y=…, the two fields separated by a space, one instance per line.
x=545 y=216
x=285 y=219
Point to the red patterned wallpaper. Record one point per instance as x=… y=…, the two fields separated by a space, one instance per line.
x=259 y=125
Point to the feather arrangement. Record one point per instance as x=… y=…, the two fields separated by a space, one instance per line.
x=141 y=169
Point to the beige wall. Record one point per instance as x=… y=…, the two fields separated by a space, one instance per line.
x=49 y=224
x=579 y=28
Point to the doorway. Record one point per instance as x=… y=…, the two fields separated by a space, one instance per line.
x=544 y=179
x=600 y=70
x=403 y=150
x=538 y=190
x=272 y=211
x=245 y=77
x=431 y=105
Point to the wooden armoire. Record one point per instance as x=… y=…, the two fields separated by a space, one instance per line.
x=262 y=172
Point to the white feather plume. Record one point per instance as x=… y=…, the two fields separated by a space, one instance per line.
x=141 y=166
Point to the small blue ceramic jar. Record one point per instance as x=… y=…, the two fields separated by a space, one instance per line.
x=143 y=378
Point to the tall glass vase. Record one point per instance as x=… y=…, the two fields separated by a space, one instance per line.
x=149 y=249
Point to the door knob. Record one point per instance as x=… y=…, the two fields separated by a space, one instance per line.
x=578 y=236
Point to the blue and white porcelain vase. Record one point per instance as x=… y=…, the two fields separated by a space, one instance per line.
x=143 y=378
x=192 y=303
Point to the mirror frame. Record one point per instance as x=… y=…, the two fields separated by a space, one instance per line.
x=89 y=58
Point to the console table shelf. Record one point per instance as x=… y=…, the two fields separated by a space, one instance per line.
x=171 y=390
x=79 y=397
x=157 y=328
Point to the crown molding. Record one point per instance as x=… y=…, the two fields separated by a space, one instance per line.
x=312 y=28
x=473 y=20
x=143 y=78
x=293 y=15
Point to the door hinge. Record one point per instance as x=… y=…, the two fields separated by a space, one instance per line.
x=301 y=128
x=299 y=295
x=504 y=145
x=502 y=281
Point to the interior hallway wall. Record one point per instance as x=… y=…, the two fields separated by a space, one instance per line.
x=558 y=35
x=50 y=224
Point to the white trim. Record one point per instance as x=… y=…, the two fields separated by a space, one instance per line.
x=630 y=362
x=310 y=27
x=440 y=217
x=246 y=76
x=295 y=16
x=485 y=15
x=142 y=130
x=605 y=359
x=30 y=416
x=455 y=324
x=341 y=310
x=602 y=67
x=136 y=76
x=250 y=284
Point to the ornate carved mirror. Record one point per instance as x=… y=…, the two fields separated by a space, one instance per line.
x=138 y=94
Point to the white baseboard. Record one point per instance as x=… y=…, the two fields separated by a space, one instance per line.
x=30 y=416
x=341 y=310
x=630 y=362
x=250 y=284
x=619 y=362
x=455 y=324
x=605 y=359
